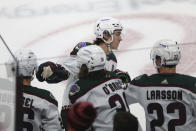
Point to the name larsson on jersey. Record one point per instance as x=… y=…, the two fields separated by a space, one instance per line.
x=164 y=95
x=113 y=87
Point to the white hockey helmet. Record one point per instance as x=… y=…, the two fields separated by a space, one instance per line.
x=168 y=51
x=93 y=56
x=27 y=62
x=107 y=24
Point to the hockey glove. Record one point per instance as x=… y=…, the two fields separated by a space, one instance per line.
x=51 y=73
x=124 y=76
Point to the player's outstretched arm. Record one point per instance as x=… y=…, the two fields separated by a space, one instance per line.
x=51 y=72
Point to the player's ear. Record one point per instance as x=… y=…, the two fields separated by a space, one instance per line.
x=158 y=61
x=106 y=35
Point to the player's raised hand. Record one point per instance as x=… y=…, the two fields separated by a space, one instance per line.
x=45 y=70
x=51 y=72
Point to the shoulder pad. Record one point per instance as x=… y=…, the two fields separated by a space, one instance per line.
x=140 y=78
x=42 y=93
x=190 y=81
x=49 y=96
x=78 y=46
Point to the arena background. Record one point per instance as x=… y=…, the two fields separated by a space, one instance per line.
x=52 y=28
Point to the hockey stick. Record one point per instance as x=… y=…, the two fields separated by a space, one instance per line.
x=18 y=95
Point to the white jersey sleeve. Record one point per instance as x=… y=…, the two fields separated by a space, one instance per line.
x=51 y=119
x=70 y=64
x=66 y=101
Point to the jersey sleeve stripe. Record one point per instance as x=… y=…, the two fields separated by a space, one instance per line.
x=51 y=101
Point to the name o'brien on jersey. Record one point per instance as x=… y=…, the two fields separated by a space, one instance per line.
x=112 y=87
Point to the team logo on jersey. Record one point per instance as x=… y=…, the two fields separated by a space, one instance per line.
x=74 y=89
x=164 y=81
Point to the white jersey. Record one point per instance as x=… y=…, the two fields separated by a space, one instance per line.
x=40 y=110
x=169 y=101
x=70 y=64
x=106 y=95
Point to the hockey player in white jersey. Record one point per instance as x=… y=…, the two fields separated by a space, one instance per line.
x=103 y=89
x=168 y=98
x=40 y=109
x=108 y=37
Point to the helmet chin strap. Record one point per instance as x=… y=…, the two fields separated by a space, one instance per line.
x=157 y=67
x=32 y=78
x=108 y=43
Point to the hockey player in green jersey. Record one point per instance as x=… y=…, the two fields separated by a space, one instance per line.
x=168 y=98
x=40 y=109
x=103 y=89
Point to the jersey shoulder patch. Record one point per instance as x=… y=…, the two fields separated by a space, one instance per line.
x=74 y=89
x=41 y=93
x=187 y=81
x=82 y=87
x=140 y=79
x=78 y=46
